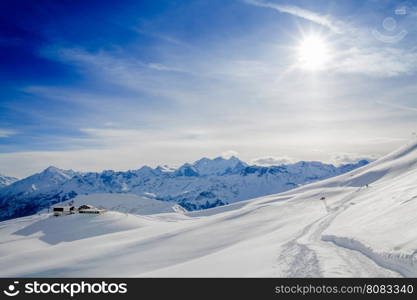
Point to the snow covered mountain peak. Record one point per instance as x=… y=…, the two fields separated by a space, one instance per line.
x=187 y=170
x=36 y=186
x=218 y=165
x=6 y=180
x=53 y=171
x=164 y=169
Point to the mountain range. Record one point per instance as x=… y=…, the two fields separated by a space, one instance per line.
x=203 y=184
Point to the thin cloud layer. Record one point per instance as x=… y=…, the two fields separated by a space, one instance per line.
x=187 y=85
x=299 y=12
x=273 y=161
x=4 y=133
x=350 y=158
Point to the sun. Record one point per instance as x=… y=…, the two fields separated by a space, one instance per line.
x=313 y=53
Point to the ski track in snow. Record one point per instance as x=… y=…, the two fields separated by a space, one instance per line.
x=299 y=257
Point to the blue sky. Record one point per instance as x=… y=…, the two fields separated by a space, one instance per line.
x=93 y=85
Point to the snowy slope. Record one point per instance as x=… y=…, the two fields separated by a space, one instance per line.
x=126 y=203
x=6 y=180
x=204 y=184
x=355 y=231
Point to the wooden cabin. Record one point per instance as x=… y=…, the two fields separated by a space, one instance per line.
x=64 y=210
x=89 y=209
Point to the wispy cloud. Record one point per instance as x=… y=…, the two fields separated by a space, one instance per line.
x=354 y=52
x=107 y=61
x=349 y=158
x=378 y=62
x=145 y=30
x=273 y=160
x=398 y=106
x=4 y=133
x=162 y=67
x=118 y=68
x=299 y=12
x=229 y=153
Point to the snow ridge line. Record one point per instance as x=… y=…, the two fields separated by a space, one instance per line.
x=405 y=264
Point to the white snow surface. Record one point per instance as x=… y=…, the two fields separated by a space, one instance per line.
x=356 y=231
x=125 y=203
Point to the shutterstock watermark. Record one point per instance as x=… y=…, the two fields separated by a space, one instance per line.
x=391 y=32
x=71 y=288
x=12 y=290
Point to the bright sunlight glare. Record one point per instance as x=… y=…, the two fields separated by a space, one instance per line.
x=313 y=53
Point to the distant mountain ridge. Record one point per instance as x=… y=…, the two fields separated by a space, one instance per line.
x=6 y=180
x=204 y=184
